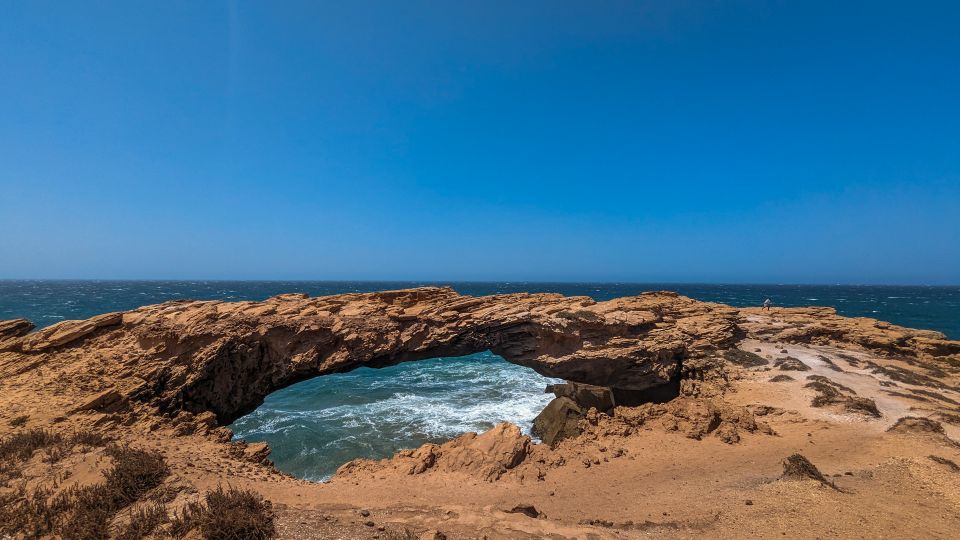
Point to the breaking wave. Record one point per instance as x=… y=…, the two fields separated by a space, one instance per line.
x=317 y=425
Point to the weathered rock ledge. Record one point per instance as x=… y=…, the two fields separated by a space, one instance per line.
x=225 y=357
x=169 y=376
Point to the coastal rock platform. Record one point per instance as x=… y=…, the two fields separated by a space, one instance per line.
x=702 y=404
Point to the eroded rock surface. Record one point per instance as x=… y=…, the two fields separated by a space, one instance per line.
x=822 y=326
x=681 y=408
x=559 y=420
x=486 y=456
x=225 y=357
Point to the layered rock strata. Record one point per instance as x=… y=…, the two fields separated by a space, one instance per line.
x=225 y=357
x=664 y=392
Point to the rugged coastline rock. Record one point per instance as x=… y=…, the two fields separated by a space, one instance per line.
x=822 y=326
x=225 y=357
x=487 y=456
x=559 y=420
x=666 y=396
x=203 y=363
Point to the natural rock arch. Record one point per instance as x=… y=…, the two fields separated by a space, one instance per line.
x=226 y=357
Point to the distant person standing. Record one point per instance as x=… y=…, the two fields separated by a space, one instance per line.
x=766 y=304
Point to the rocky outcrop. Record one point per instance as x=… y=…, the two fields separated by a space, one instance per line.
x=486 y=456
x=585 y=395
x=14 y=328
x=66 y=332
x=225 y=357
x=695 y=418
x=559 y=420
x=561 y=417
x=649 y=376
x=822 y=326
x=11 y=330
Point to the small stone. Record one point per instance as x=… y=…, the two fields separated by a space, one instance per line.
x=748 y=502
x=525 y=509
x=256 y=452
x=369 y=523
x=365 y=513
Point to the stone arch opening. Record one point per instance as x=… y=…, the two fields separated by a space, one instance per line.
x=624 y=350
x=318 y=424
x=219 y=360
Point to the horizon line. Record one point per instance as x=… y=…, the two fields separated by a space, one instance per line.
x=484 y=281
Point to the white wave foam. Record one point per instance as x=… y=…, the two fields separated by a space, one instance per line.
x=385 y=410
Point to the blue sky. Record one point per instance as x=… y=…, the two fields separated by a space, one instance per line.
x=804 y=142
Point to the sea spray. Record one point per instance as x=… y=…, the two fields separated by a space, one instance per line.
x=317 y=425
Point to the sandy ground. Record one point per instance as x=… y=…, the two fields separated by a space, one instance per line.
x=664 y=484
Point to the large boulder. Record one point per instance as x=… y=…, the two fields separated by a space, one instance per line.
x=486 y=456
x=559 y=420
x=585 y=395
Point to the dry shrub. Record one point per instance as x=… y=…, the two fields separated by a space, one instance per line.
x=85 y=512
x=230 y=514
x=19 y=421
x=949 y=418
x=789 y=363
x=90 y=438
x=134 y=473
x=830 y=363
x=29 y=515
x=917 y=424
x=143 y=521
x=21 y=446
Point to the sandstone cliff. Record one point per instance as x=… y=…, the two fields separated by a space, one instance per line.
x=668 y=378
x=225 y=357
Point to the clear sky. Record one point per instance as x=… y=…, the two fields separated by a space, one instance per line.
x=805 y=142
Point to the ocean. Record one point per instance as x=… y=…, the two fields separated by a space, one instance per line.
x=317 y=425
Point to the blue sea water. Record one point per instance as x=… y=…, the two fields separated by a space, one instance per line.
x=317 y=425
